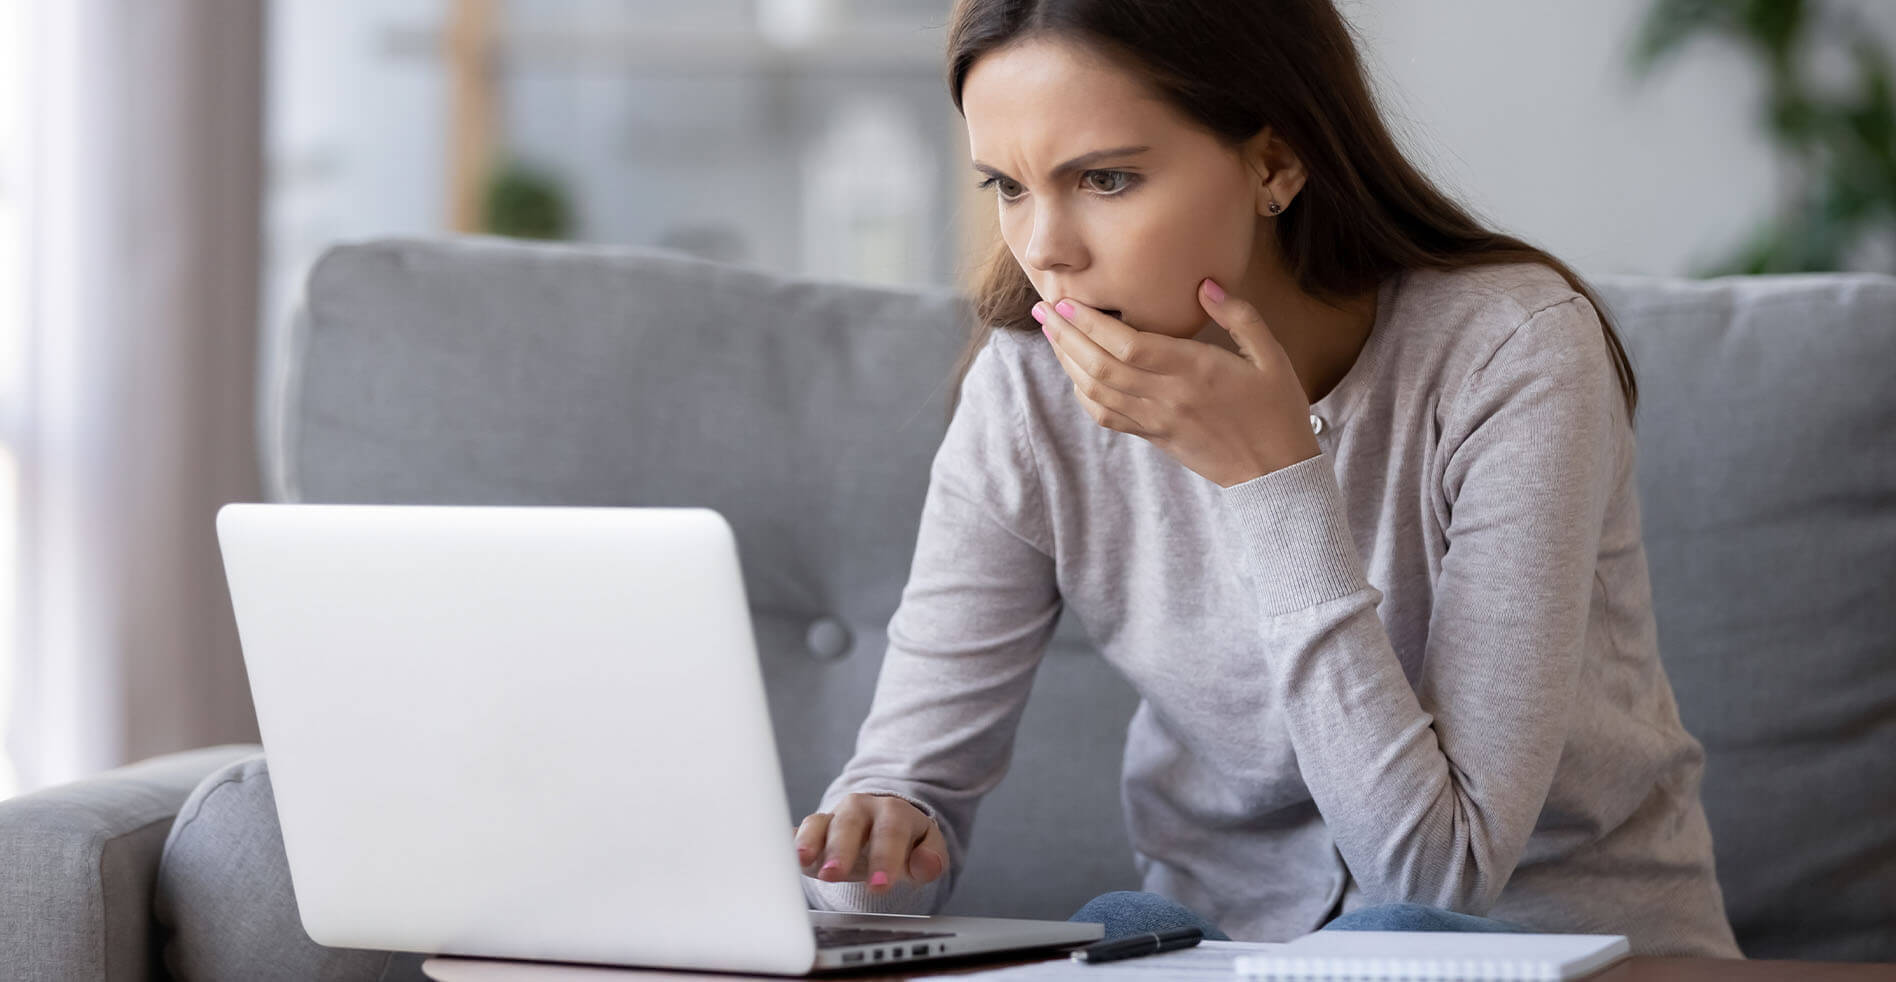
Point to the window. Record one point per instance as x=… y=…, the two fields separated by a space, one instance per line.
x=13 y=201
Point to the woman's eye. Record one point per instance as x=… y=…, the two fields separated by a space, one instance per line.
x=1125 y=182
x=1122 y=181
x=1002 y=191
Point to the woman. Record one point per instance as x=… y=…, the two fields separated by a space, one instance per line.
x=1340 y=480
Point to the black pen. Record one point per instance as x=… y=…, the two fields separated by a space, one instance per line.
x=1132 y=946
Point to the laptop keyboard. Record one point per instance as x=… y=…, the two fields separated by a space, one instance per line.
x=840 y=937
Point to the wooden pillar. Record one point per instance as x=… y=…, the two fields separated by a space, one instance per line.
x=469 y=55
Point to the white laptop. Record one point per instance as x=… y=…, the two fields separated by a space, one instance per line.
x=538 y=734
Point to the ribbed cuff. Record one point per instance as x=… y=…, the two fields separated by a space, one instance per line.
x=902 y=898
x=1294 y=530
x=922 y=806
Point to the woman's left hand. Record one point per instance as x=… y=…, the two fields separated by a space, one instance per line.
x=1230 y=417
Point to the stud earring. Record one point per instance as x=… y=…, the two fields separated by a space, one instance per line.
x=1275 y=207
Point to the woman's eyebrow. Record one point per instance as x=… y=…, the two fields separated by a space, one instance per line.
x=1076 y=163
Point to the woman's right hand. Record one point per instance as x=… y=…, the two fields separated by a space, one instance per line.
x=874 y=837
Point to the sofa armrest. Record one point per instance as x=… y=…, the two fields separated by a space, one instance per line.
x=79 y=861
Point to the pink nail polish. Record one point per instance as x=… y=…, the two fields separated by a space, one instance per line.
x=1038 y=315
x=879 y=879
x=829 y=867
x=1065 y=308
x=1213 y=291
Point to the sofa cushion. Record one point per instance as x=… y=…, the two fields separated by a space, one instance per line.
x=224 y=905
x=1767 y=483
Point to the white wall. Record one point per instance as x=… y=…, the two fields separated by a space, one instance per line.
x=355 y=136
x=1525 y=110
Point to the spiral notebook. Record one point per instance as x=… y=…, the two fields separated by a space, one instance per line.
x=1435 y=955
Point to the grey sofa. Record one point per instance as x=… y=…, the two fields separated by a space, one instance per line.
x=484 y=371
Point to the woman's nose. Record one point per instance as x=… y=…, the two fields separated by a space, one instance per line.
x=1052 y=242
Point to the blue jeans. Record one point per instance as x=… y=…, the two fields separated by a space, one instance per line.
x=1126 y=912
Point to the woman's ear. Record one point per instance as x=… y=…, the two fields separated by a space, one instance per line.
x=1277 y=172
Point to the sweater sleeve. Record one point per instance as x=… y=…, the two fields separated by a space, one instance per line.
x=1430 y=792
x=966 y=638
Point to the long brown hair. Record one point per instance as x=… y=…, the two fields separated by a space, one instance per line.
x=1236 y=66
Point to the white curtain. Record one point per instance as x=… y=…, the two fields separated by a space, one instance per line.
x=144 y=173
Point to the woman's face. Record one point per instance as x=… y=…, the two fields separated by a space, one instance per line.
x=1131 y=230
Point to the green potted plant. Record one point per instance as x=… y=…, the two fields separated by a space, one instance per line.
x=1840 y=145
x=525 y=202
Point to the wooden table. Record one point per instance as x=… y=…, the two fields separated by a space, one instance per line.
x=1635 y=969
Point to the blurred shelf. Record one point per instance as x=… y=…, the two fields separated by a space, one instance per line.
x=673 y=51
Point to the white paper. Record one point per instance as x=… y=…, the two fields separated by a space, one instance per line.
x=1204 y=960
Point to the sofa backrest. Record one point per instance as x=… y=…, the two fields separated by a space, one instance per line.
x=1767 y=486
x=486 y=371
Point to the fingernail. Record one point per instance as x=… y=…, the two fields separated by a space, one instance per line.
x=1214 y=291
x=829 y=867
x=879 y=879
x=1065 y=308
x=1038 y=315
x=803 y=853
